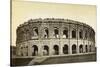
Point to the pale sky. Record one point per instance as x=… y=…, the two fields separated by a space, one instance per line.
x=22 y=11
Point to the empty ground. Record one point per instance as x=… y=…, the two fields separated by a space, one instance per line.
x=55 y=60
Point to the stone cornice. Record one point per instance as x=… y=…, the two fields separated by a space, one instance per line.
x=54 y=20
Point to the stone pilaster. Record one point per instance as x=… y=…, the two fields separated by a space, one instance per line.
x=61 y=49
x=70 y=49
x=29 y=49
x=40 y=50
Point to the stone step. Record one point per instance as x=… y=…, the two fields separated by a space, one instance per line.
x=37 y=60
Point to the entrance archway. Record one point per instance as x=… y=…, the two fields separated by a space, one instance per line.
x=86 y=49
x=73 y=49
x=81 y=48
x=21 y=51
x=35 y=50
x=65 y=49
x=46 y=50
x=56 y=49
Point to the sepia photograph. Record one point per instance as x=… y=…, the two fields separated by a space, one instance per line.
x=52 y=33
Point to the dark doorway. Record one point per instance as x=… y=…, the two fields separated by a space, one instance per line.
x=81 y=48
x=21 y=51
x=56 y=49
x=35 y=50
x=86 y=48
x=46 y=50
x=65 y=49
x=73 y=49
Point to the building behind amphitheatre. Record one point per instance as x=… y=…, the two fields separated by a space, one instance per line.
x=54 y=37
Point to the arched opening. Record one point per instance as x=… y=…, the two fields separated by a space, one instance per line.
x=56 y=49
x=65 y=33
x=65 y=49
x=46 y=50
x=26 y=50
x=21 y=51
x=35 y=50
x=81 y=34
x=46 y=33
x=73 y=49
x=56 y=32
x=35 y=31
x=81 y=48
x=74 y=34
x=86 y=48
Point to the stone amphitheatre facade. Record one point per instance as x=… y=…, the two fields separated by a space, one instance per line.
x=54 y=37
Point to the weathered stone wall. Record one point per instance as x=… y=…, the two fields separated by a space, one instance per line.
x=33 y=33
